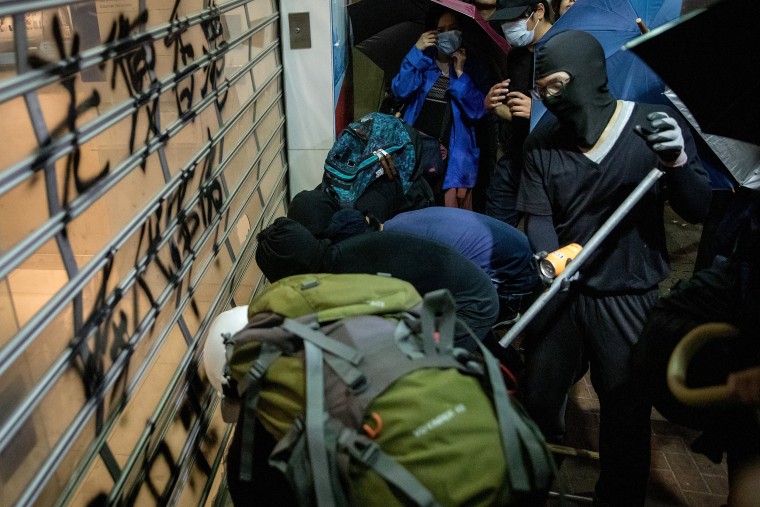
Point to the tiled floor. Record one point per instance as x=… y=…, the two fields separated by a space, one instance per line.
x=678 y=477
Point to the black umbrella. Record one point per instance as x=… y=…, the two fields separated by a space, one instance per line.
x=740 y=158
x=370 y=17
x=388 y=47
x=709 y=58
x=385 y=31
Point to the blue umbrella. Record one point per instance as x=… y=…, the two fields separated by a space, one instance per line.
x=614 y=23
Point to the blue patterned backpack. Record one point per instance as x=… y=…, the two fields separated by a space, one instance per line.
x=377 y=145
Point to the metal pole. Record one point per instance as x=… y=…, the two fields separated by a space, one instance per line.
x=588 y=249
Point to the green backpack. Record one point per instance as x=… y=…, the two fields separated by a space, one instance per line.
x=358 y=380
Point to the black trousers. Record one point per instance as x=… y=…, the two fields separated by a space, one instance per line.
x=576 y=330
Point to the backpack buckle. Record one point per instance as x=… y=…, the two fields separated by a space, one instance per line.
x=358 y=446
x=359 y=385
x=387 y=162
x=257 y=371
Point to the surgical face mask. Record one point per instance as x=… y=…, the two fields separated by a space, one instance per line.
x=449 y=42
x=517 y=32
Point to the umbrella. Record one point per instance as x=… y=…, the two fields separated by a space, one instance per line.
x=385 y=30
x=614 y=23
x=718 y=79
x=740 y=158
x=471 y=12
x=388 y=56
x=479 y=36
x=371 y=17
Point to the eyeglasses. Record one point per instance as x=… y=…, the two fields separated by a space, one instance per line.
x=553 y=89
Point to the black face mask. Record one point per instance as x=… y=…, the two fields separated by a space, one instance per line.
x=585 y=106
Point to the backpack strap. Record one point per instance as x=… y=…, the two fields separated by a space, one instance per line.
x=250 y=387
x=252 y=380
x=350 y=376
x=529 y=461
x=315 y=428
x=247 y=424
x=438 y=314
x=387 y=162
x=369 y=453
x=382 y=155
x=289 y=457
x=404 y=340
x=323 y=341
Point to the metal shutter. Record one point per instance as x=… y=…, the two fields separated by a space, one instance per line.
x=143 y=147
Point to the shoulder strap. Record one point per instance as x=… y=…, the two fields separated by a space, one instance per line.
x=250 y=387
x=315 y=429
x=247 y=423
x=529 y=461
x=268 y=355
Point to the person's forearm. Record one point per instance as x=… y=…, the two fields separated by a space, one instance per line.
x=689 y=191
x=541 y=233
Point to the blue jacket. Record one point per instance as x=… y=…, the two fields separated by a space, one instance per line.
x=499 y=249
x=413 y=82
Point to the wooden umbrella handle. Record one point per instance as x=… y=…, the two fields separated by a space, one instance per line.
x=642 y=26
x=714 y=396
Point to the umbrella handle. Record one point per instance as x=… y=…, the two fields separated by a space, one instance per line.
x=714 y=396
x=642 y=27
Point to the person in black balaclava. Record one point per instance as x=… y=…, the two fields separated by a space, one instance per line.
x=583 y=105
x=578 y=170
x=287 y=248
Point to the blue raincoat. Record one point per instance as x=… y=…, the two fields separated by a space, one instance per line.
x=413 y=82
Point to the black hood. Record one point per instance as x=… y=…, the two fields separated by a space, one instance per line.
x=585 y=106
x=287 y=248
x=313 y=209
x=345 y=224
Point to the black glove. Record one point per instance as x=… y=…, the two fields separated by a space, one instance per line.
x=665 y=138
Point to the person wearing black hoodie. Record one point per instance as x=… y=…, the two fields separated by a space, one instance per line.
x=287 y=248
x=578 y=169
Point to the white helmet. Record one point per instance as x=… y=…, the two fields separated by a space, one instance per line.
x=214 y=354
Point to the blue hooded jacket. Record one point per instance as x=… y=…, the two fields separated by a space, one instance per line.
x=413 y=82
